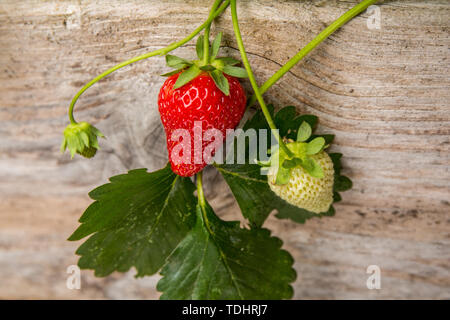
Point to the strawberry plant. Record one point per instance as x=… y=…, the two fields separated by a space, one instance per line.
x=155 y=222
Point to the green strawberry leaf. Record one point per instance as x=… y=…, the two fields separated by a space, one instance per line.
x=312 y=120
x=342 y=183
x=258 y=121
x=304 y=132
x=221 y=82
x=284 y=120
x=137 y=220
x=305 y=215
x=216 y=46
x=199 y=47
x=288 y=122
x=220 y=260
x=336 y=158
x=336 y=197
x=187 y=76
x=235 y=71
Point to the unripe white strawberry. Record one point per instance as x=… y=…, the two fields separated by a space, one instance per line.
x=305 y=191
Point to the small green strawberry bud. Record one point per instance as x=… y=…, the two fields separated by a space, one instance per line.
x=81 y=138
x=89 y=152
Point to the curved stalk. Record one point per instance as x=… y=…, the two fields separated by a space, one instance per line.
x=251 y=77
x=314 y=43
x=162 y=51
x=202 y=202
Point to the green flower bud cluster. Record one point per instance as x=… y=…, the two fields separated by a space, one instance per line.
x=81 y=138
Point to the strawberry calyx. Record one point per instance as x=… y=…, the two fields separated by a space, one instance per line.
x=81 y=138
x=302 y=155
x=215 y=66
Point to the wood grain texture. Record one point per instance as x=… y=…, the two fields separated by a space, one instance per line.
x=384 y=93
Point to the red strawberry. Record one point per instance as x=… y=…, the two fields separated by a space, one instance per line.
x=198 y=100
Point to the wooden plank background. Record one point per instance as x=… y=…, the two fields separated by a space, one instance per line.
x=384 y=93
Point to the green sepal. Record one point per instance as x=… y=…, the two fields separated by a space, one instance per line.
x=292 y=163
x=199 y=47
x=81 y=138
x=176 y=62
x=186 y=76
x=221 y=81
x=283 y=175
x=63 y=145
x=171 y=73
x=228 y=61
x=216 y=46
x=313 y=168
x=235 y=71
x=216 y=67
x=304 y=132
x=329 y=138
x=208 y=68
x=315 y=146
x=302 y=152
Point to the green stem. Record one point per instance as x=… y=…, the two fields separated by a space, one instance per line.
x=207 y=31
x=206 y=45
x=314 y=43
x=253 y=81
x=161 y=51
x=202 y=202
x=200 y=194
